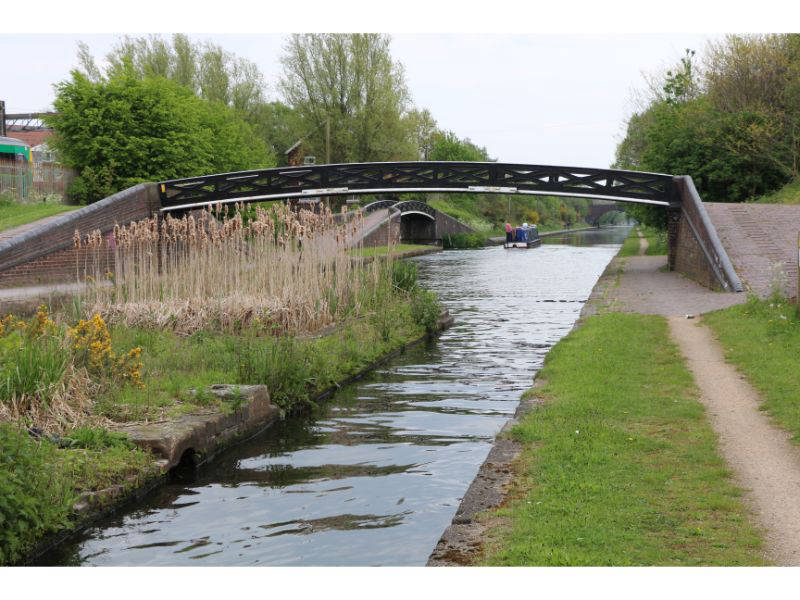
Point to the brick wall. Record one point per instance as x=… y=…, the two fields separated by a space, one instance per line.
x=47 y=254
x=694 y=246
x=445 y=224
x=690 y=260
x=381 y=236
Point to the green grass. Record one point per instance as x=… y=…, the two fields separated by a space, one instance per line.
x=295 y=370
x=384 y=250
x=762 y=338
x=619 y=465
x=13 y=214
x=656 y=239
x=788 y=194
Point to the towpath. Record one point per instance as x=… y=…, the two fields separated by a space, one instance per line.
x=765 y=463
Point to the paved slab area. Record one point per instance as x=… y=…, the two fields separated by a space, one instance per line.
x=642 y=284
x=764 y=460
x=760 y=240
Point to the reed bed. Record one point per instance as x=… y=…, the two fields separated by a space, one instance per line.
x=272 y=269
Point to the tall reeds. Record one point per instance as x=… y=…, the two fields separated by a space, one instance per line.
x=274 y=269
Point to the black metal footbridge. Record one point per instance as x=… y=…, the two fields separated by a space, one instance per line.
x=401 y=177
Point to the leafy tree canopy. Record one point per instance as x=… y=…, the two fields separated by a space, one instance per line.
x=120 y=130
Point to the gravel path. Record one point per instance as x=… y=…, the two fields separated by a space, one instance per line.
x=764 y=460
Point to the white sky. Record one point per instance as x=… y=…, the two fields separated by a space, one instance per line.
x=538 y=97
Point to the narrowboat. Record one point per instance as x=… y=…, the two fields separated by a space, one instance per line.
x=526 y=236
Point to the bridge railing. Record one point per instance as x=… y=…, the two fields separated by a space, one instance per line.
x=431 y=176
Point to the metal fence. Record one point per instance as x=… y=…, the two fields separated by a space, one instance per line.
x=30 y=182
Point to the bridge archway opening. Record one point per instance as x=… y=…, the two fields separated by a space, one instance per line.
x=417 y=228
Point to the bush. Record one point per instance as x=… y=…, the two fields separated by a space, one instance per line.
x=35 y=498
x=124 y=129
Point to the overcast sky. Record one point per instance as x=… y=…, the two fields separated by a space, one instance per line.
x=535 y=98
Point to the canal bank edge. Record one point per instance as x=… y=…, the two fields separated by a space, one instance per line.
x=206 y=435
x=461 y=541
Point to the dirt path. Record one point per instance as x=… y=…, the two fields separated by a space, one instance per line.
x=643 y=243
x=761 y=455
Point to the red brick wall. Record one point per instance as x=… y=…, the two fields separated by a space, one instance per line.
x=47 y=254
x=690 y=260
x=380 y=237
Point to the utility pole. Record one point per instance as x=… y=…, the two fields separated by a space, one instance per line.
x=2 y=118
x=328 y=141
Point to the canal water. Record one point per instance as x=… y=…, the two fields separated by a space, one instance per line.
x=377 y=476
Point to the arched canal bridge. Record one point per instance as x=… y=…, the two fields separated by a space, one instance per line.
x=694 y=247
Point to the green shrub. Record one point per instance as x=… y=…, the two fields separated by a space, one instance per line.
x=35 y=498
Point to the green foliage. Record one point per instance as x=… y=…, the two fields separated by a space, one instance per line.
x=447 y=146
x=404 y=275
x=425 y=309
x=30 y=366
x=35 y=496
x=118 y=131
x=95 y=438
x=733 y=128
x=463 y=240
x=788 y=194
x=351 y=81
x=283 y=364
x=619 y=465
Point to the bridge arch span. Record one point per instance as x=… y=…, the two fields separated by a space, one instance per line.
x=422 y=176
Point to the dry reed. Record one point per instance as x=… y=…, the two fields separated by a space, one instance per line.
x=278 y=270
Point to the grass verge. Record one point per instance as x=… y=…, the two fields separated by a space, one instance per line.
x=13 y=214
x=619 y=466
x=384 y=250
x=773 y=328
x=656 y=242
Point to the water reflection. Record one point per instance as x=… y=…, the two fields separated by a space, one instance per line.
x=377 y=476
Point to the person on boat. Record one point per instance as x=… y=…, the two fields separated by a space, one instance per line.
x=509 y=237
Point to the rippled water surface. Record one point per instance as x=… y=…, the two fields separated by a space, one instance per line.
x=377 y=477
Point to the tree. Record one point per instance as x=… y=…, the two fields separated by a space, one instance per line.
x=446 y=145
x=423 y=131
x=205 y=68
x=123 y=130
x=734 y=126
x=279 y=125
x=351 y=83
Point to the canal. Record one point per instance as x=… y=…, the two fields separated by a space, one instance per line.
x=376 y=477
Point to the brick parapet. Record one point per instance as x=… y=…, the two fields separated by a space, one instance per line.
x=46 y=254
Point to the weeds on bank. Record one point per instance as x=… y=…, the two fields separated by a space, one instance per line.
x=49 y=373
x=762 y=338
x=619 y=466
